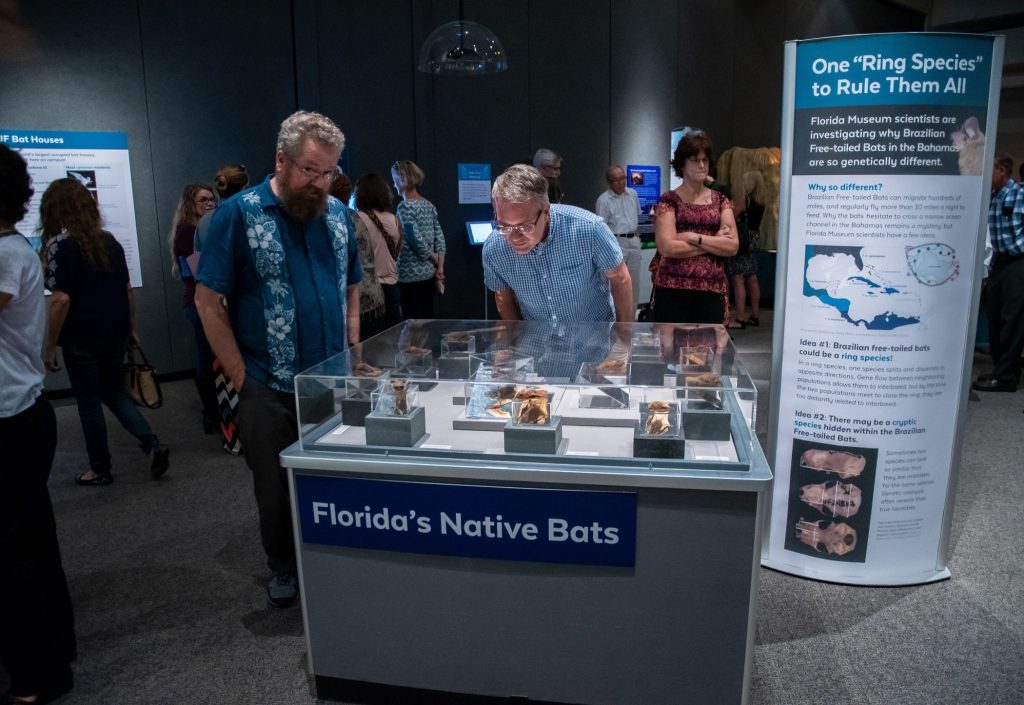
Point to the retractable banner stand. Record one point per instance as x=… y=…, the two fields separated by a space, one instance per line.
x=886 y=176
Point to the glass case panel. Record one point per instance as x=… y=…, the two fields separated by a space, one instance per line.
x=668 y=396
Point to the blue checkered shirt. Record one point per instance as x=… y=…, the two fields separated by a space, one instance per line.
x=562 y=279
x=1006 y=219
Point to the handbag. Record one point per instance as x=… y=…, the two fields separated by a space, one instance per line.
x=645 y=312
x=743 y=233
x=140 y=379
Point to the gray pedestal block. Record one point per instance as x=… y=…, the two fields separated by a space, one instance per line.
x=533 y=438
x=400 y=431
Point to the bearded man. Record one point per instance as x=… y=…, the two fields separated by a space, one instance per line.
x=283 y=256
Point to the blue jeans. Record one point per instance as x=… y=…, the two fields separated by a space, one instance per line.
x=96 y=380
x=204 y=369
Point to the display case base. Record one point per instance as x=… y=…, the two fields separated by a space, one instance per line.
x=709 y=425
x=354 y=409
x=671 y=445
x=647 y=373
x=456 y=366
x=529 y=438
x=362 y=693
x=397 y=431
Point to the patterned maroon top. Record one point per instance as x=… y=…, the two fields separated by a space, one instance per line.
x=701 y=272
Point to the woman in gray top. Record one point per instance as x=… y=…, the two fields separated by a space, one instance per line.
x=421 y=261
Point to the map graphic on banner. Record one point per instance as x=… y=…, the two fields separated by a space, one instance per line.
x=100 y=162
x=858 y=284
x=884 y=162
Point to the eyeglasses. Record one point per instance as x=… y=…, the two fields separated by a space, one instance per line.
x=695 y=160
x=206 y=199
x=524 y=229
x=311 y=174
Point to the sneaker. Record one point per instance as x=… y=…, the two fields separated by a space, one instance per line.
x=282 y=589
x=161 y=461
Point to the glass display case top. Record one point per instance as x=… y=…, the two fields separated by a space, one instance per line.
x=646 y=393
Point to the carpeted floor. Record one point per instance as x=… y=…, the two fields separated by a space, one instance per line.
x=167 y=580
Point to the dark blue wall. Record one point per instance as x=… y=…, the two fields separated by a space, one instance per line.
x=199 y=84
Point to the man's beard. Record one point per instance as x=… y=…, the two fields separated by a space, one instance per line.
x=305 y=203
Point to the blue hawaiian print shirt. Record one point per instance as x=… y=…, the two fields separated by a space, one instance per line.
x=226 y=267
x=562 y=279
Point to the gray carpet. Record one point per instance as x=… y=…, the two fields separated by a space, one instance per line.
x=167 y=578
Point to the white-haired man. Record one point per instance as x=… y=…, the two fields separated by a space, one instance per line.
x=284 y=256
x=552 y=263
x=549 y=163
x=619 y=207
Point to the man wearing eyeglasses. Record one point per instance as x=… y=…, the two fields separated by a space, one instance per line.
x=552 y=262
x=284 y=256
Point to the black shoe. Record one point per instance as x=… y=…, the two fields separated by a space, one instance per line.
x=102 y=478
x=993 y=385
x=161 y=461
x=282 y=589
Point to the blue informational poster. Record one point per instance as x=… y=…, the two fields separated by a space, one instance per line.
x=474 y=183
x=886 y=164
x=100 y=162
x=646 y=181
x=502 y=523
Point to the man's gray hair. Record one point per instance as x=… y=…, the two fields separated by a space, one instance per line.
x=611 y=170
x=545 y=156
x=301 y=125
x=521 y=183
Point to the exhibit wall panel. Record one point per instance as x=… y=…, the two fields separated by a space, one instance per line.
x=569 y=94
x=365 y=72
x=217 y=98
x=757 y=75
x=704 y=70
x=807 y=19
x=481 y=119
x=643 y=94
x=84 y=72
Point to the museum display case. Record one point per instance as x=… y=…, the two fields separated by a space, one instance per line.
x=491 y=512
x=484 y=388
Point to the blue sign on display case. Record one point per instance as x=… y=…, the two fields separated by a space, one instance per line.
x=580 y=527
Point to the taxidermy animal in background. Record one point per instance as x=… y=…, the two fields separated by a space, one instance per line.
x=970 y=143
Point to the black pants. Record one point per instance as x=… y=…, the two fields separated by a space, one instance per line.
x=37 y=629
x=686 y=306
x=1005 y=308
x=418 y=299
x=266 y=426
x=204 y=369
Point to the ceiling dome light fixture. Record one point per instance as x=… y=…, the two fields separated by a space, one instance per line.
x=462 y=48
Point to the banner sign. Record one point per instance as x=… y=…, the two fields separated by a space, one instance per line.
x=646 y=181
x=501 y=523
x=884 y=213
x=99 y=160
x=474 y=183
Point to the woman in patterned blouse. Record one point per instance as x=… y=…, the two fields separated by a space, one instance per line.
x=421 y=261
x=695 y=231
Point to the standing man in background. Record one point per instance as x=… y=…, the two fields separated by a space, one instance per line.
x=619 y=206
x=284 y=256
x=549 y=163
x=1005 y=289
